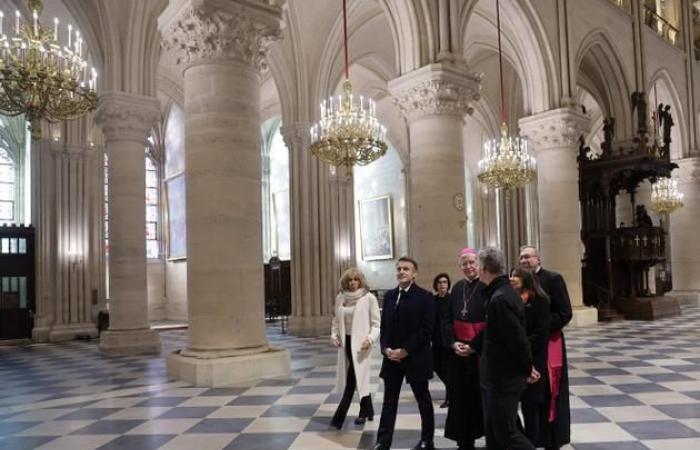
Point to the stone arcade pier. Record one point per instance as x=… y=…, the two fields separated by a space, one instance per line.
x=221 y=46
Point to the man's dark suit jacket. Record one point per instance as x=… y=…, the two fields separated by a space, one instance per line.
x=410 y=326
x=560 y=304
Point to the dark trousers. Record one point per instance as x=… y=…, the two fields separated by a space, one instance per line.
x=366 y=408
x=501 y=421
x=533 y=412
x=465 y=418
x=392 y=389
x=440 y=363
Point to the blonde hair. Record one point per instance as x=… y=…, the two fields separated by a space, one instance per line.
x=352 y=272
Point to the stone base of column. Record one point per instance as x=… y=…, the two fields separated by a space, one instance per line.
x=41 y=334
x=215 y=372
x=686 y=298
x=584 y=317
x=60 y=333
x=313 y=326
x=129 y=342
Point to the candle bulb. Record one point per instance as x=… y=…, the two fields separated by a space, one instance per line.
x=55 y=29
x=35 y=16
x=70 y=34
x=17 y=22
x=2 y=17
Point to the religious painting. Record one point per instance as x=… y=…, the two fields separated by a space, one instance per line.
x=376 y=236
x=177 y=239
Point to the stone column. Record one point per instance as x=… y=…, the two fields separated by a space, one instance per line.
x=434 y=100
x=126 y=120
x=685 y=249
x=222 y=47
x=554 y=137
x=314 y=278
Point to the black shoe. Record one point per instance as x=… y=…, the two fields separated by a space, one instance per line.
x=337 y=424
x=445 y=404
x=424 y=445
x=466 y=446
x=378 y=446
x=360 y=421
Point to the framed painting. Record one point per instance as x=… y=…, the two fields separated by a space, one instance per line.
x=376 y=232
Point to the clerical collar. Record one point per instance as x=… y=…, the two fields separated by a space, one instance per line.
x=538 y=269
x=472 y=280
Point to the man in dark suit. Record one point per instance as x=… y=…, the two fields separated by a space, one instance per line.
x=408 y=316
x=555 y=420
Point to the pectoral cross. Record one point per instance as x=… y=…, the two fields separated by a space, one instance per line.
x=644 y=241
x=636 y=240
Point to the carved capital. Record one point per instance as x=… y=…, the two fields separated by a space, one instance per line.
x=239 y=30
x=296 y=136
x=435 y=89
x=128 y=117
x=556 y=128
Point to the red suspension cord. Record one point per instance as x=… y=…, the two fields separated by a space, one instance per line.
x=500 y=62
x=345 y=39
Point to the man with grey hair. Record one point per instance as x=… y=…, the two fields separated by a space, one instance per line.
x=506 y=362
x=550 y=425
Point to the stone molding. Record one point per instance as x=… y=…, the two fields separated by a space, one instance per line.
x=296 y=135
x=435 y=89
x=556 y=128
x=688 y=171
x=239 y=30
x=126 y=117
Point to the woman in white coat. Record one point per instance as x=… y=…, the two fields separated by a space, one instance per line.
x=355 y=329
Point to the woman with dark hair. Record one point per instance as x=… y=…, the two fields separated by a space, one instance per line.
x=441 y=353
x=355 y=329
x=537 y=319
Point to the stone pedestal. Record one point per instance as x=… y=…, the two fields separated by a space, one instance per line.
x=434 y=99
x=685 y=249
x=222 y=46
x=126 y=120
x=553 y=135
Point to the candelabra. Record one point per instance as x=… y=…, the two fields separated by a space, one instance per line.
x=506 y=163
x=665 y=196
x=42 y=77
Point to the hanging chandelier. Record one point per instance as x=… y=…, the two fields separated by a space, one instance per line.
x=348 y=132
x=665 y=196
x=40 y=76
x=506 y=163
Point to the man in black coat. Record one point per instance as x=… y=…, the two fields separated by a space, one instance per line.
x=408 y=316
x=506 y=363
x=555 y=419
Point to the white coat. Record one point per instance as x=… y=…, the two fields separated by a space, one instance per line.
x=365 y=324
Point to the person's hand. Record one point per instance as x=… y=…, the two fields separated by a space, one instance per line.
x=394 y=355
x=401 y=353
x=336 y=342
x=534 y=376
x=366 y=344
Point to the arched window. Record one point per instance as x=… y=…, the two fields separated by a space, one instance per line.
x=152 y=207
x=7 y=187
x=275 y=192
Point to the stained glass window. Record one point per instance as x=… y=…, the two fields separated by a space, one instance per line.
x=152 y=208
x=7 y=187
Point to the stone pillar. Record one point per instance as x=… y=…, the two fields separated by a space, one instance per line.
x=313 y=254
x=222 y=46
x=685 y=250
x=434 y=100
x=554 y=137
x=126 y=120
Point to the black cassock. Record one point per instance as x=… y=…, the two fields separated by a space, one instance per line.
x=465 y=418
x=558 y=432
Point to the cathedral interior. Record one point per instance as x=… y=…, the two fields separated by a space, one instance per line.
x=206 y=123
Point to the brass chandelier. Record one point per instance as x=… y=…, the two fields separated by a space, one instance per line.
x=665 y=196
x=40 y=76
x=506 y=163
x=348 y=132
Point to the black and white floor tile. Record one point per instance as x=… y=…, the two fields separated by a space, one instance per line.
x=634 y=385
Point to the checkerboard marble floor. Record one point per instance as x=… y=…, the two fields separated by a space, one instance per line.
x=634 y=385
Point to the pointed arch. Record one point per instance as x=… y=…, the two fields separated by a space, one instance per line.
x=668 y=94
x=600 y=71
